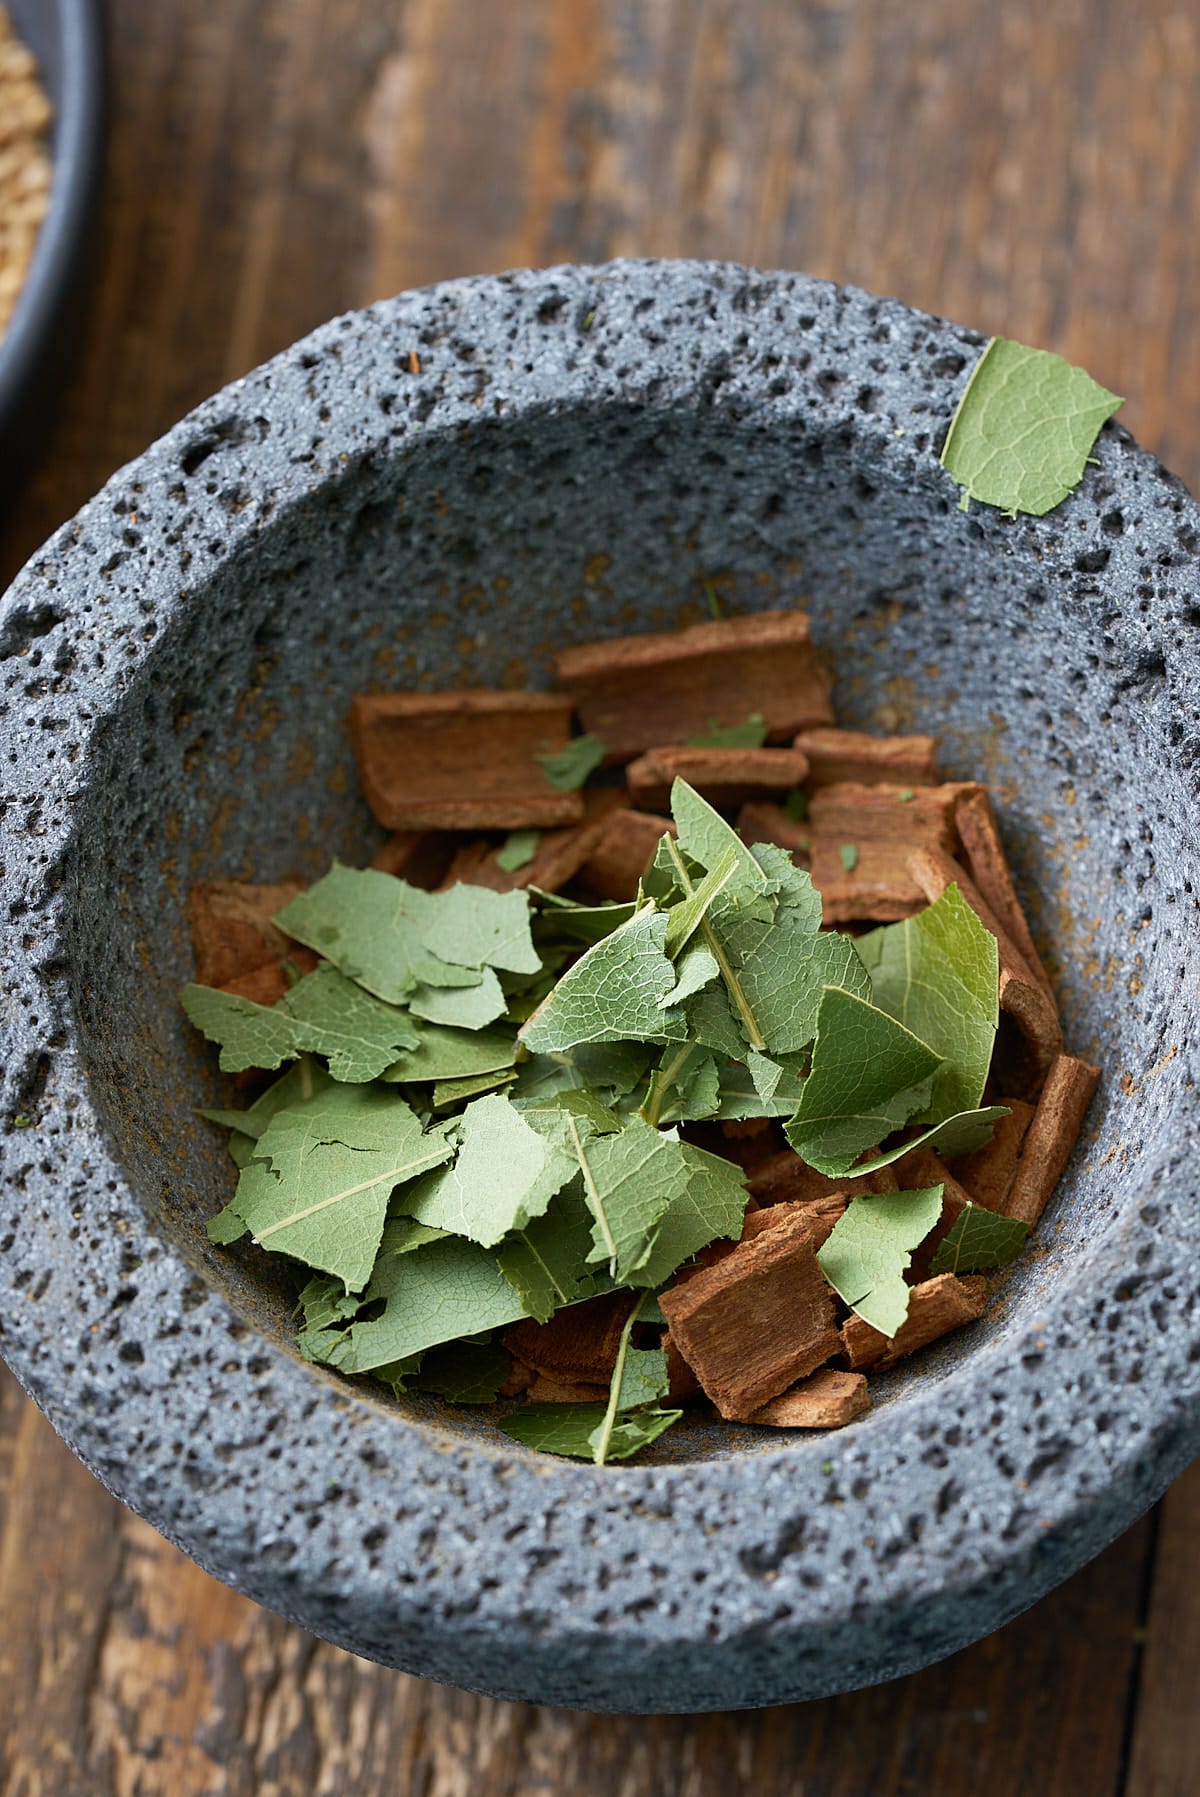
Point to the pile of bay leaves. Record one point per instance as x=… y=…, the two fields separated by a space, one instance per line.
x=485 y=1116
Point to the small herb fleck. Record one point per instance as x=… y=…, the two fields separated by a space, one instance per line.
x=568 y=768
x=795 y=806
x=518 y=851
x=905 y=794
x=849 y=854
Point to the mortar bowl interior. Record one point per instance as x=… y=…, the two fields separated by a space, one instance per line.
x=339 y=525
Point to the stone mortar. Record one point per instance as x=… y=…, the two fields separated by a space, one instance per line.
x=581 y=451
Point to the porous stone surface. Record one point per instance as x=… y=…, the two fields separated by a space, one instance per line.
x=579 y=453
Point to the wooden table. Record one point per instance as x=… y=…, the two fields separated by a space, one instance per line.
x=1033 y=170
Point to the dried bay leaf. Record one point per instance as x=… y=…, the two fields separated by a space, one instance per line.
x=574 y=1429
x=250 y=1035
x=472 y=926
x=870 y=1249
x=707 y=1206
x=751 y=734
x=369 y=924
x=504 y=1174
x=977 y=1240
x=566 y=769
x=460 y=1006
x=1024 y=428
x=444 y=1053
x=463 y=1372
x=319 y=1184
x=546 y=1262
x=612 y=993
x=518 y=849
x=938 y=975
x=444 y=1290
x=358 y=1034
x=869 y=1076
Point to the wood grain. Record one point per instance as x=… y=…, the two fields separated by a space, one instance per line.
x=1034 y=170
x=1166 y=1740
x=125 y=1669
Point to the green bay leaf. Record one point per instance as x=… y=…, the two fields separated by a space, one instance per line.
x=573 y=1429
x=442 y=1291
x=566 y=769
x=1024 y=428
x=546 y=1262
x=938 y=975
x=612 y=993
x=979 y=1239
x=319 y=1184
x=504 y=1174
x=369 y=924
x=869 y=1076
x=870 y=1249
x=358 y=1034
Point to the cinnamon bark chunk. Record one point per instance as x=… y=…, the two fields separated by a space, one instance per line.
x=267 y=985
x=558 y=857
x=837 y=756
x=635 y=691
x=935 y=1308
x=722 y=776
x=1057 y=1121
x=622 y=854
x=231 y=928
x=1023 y=995
x=461 y=760
x=762 y=821
x=984 y=855
x=825 y=1400
x=682 y=1383
x=820 y=1213
x=543 y=1389
x=988 y=1172
x=578 y=1344
x=756 y=1322
x=419 y=856
x=785 y=1178
x=860 y=841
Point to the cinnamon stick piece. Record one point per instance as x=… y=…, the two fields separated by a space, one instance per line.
x=988 y=1172
x=935 y=1308
x=825 y=1400
x=984 y=855
x=820 y=1213
x=578 y=1343
x=1022 y=993
x=231 y=928
x=722 y=776
x=786 y=1178
x=419 y=856
x=1057 y=1121
x=860 y=839
x=762 y=821
x=621 y=855
x=558 y=857
x=461 y=760
x=836 y=756
x=635 y=691
x=267 y=985
x=756 y=1322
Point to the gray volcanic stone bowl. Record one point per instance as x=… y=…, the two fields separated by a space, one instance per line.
x=581 y=451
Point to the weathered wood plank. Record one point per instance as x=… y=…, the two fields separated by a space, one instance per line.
x=1165 y=1755
x=124 y=1668
x=1034 y=172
